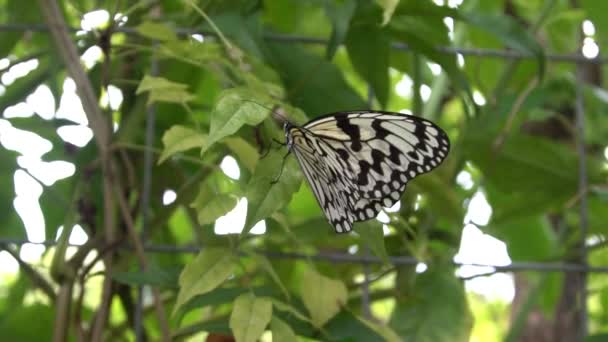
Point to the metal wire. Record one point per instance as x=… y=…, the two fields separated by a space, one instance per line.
x=475 y=52
x=339 y=258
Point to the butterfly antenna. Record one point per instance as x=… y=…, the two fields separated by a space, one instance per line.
x=276 y=179
x=272 y=109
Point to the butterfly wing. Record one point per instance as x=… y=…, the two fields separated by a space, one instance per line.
x=368 y=157
x=328 y=176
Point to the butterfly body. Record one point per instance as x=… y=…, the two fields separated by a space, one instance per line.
x=358 y=162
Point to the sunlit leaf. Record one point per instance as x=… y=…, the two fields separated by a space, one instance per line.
x=204 y=273
x=178 y=139
x=250 y=316
x=236 y=108
x=372 y=236
x=388 y=7
x=281 y=331
x=244 y=151
x=210 y=209
x=322 y=296
x=155 y=30
x=163 y=90
x=265 y=197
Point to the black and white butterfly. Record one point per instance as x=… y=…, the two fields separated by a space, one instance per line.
x=358 y=162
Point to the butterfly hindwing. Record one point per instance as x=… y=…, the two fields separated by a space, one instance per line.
x=358 y=162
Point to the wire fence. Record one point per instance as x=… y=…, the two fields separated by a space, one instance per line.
x=364 y=257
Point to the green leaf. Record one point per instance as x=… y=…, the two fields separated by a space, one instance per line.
x=18 y=323
x=388 y=7
x=264 y=197
x=281 y=331
x=282 y=15
x=209 y=210
x=389 y=334
x=424 y=36
x=437 y=299
x=317 y=86
x=595 y=11
x=528 y=238
x=278 y=305
x=267 y=266
x=372 y=236
x=529 y=179
x=220 y=296
x=164 y=90
x=510 y=32
x=363 y=37
x=234 y=109
x=156 y=31
x=178 y=139
x=346 y=326
x=340 y=14
x=204 y=273
x=244 y=151
x=250 y=316
x=597 y=338
x=322 y=296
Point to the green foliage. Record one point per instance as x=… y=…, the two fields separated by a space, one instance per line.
x=226 y=91
x=204 y=273
x=249 y=317
x=436 y=299
x=322 y=296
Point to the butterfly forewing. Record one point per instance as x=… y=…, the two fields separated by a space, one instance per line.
x=358 y=162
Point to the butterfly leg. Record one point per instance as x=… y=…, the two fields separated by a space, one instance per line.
x=276 y=179
x=270 y=147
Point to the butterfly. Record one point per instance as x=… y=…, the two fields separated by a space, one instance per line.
x=358 y=162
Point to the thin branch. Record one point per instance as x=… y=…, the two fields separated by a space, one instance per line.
x=37 y=279
x=500 y=139
x=69 y=54
x=583 y=184
x=141 y=256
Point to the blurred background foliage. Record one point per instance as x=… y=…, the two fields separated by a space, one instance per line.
x=178 y=233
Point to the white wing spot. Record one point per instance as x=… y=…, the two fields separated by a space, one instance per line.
x=377 y=206
x=385 y=189
x=427 y=167
x=387 y=202
x=395 y=195
x=433 y=162
x=395 y=184
x=369 y=212
x=412 y=173
x=377 y=193
x=339 y=227
x=403 y=177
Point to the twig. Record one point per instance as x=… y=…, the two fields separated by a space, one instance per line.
x=583 y=184
x=500 y=139
x=141 y=256
x=38 y=280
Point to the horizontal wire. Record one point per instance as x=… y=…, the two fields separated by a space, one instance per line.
x=336 y=257
x=475 y=52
